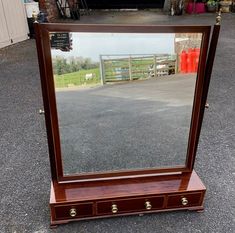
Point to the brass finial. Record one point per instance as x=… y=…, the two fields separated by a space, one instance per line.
x=218 y=18
x=35 y=17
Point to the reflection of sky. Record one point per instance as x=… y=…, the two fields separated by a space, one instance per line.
x=91 y=45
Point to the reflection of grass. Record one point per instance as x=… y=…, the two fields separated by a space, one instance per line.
x=77 y=78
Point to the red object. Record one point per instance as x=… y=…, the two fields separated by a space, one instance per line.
x=189 y=8
x=183 y=62
x=199 y=8
x=190 y=60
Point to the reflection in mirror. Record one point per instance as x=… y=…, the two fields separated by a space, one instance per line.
x=124 y=100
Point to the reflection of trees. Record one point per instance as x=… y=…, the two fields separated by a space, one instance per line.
x=63 y=65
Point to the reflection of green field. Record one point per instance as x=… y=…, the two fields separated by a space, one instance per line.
x=77 y=78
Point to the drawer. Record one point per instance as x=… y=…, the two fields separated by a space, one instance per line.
x=184 y=200
x=73 y=211
x=130 y=205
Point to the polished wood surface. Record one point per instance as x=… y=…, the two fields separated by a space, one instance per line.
x=128 y=205
x=95 y=200
x=175 y=201
x=124 y=28
x=84 y=210
x=42 y=68
x=124 y=188
x=208 y=72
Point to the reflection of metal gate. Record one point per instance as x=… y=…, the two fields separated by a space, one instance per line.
x=13 y=23
x=126 y=67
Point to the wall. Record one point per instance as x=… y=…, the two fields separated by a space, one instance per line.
x=13 y=22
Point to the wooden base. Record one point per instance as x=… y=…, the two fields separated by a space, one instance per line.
x=76 y=201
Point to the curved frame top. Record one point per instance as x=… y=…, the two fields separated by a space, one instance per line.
x=48 y=91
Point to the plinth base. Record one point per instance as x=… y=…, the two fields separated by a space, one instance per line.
x=77 y=201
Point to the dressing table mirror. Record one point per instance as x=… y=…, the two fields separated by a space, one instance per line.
x=123 y=106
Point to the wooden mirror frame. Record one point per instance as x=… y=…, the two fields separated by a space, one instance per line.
x=107 y=194
x=48 y=90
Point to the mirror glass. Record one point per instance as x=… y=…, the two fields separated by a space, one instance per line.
x=124 y=100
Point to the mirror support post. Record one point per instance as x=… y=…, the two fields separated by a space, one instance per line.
x=211 y=58
x=42 y=69
x=208 y=70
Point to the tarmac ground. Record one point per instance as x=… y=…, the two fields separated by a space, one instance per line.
x=127 y=125
x=24 y=166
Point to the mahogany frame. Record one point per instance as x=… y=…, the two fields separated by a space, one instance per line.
x=48 y=92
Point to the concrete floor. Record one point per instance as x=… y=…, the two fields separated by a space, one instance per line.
x=24 y=167
x=143 y=17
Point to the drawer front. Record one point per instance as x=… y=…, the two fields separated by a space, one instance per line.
x=184 y=200
x=130 y=205
x=73 y=211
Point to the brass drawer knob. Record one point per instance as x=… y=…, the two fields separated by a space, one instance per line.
x=184 y=201
x=148 y=205
x=114 y=209
x=73 y=212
